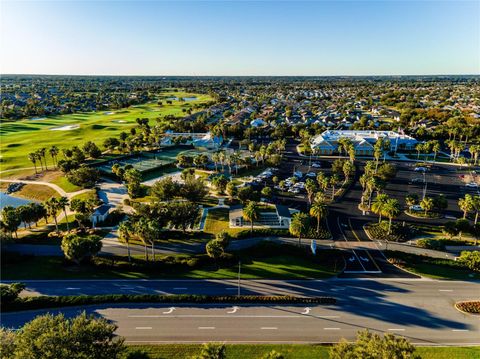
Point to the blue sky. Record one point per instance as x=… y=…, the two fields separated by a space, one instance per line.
x=240 y=37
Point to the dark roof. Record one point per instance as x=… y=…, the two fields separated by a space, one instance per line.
x=102 y=209
x=283 y=211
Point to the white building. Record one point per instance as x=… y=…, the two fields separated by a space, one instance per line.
x=363 y=141
x=279 y=219
x=204 y=140
x=100 y=215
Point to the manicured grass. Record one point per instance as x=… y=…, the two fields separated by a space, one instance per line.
x=21 y=137
x=290 y=351
x=431 y=267
x=217 y=221
x=65 y=184
x=277 y=267
x=91 y=194
x=36 y=192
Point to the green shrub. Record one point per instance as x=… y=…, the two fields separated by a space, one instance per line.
x=9 y=292
x=42 y=302
x=470 y=259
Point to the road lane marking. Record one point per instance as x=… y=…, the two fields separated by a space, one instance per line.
x=445 y=290
x=397 y=329
x=269 y=328
x=306 y=310
x=206 y=328
x=331 y=328
x=236 y=316
x=143 y=328
x=169 y=311
x=234 y=309
x=460 y=330
x=71 y=288
x=368 y=253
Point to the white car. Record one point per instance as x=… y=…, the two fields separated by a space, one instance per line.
x=311 y=174
x=416 y=208
x=316 y=165
x=294 y=190
x=298 y=174
x=420 y=169
x=471 y=185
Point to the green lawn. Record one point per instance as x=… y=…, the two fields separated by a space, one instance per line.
x=21 y=137
x=65 y=184
x=275 y=267
x=290 y=351
x=432 y=267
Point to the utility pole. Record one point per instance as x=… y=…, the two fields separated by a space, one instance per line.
x=239 y=266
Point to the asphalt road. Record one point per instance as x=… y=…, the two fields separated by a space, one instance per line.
x=421 y=310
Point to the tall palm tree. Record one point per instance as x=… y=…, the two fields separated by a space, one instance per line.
x=333 y=182
x=38 y=156
x=42 y=152
x=63 y=203
x=141 y=230
x=251 y=213
x=391 y=209
x=299 y=225
x=427 y=204
x=33 y=158
x=379 y=204
x=52 y=207
x=125 y=230
x=310 y=187
x=319 y=210
x=436 y=147
x=466 y=204
x=53 y=153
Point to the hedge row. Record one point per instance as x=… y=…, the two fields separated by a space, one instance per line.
x=472 y=306
x=43 y=302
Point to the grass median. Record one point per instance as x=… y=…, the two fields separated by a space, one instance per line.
x=289 y=351
x=263 y=261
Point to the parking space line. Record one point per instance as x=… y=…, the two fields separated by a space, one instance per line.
x=143 y=328
x=206 y=328
x=269 y=328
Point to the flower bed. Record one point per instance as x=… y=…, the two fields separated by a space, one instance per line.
x=472 y=306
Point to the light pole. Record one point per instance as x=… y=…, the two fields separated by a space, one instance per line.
x=424 y=186
x=239 y=266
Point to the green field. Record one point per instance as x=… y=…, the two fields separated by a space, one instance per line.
x=18 y=138
x=289 y=351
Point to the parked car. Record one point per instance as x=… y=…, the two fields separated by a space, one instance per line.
x=298 y=174
x=294 y=190
x=416 y=208
x=420 y=169
x=316 y=165
x=416 y=180
x=311 y=174
x=472 y=185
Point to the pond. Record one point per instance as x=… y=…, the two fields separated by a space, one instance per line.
x=8 y=200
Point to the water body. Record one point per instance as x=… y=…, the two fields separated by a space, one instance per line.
x=184 y=98
x=8 y=200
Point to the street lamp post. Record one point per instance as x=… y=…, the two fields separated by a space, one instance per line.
x=239 y=266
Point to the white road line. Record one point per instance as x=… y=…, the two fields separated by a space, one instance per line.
x=143 y=328
x=445 y=290
x=206 y=328
x=269 y=328
x=460 y=330
x=235 y=316
x=331 y=328
x=397 y=330
x=71 y=288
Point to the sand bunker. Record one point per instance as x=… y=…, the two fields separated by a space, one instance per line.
x=119 y=121
x=38 y=118
x=66 y=128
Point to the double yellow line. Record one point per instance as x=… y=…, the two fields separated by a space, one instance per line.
x=358 y=239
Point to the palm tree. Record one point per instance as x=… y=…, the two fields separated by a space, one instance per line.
x=63 y=203
x=310 y=187
x=474 y=151
x=125 y=230
x=52 y=207
x=251 y=213
x=33 y=157
x=391 y=209
x=476 y=207
x=299 y=225
x=38 y=156
x=436 y=148
x=42 y=153
x=333 y=182
x=379 y=204
x=427 y=204
x=466 y=204
x=318 y=210
x=54 y=152
x=141 y=229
